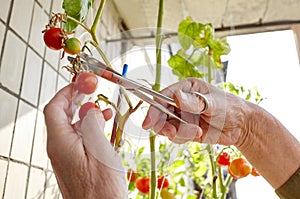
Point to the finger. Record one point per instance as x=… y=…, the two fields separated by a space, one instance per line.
x=211 y=135
x=107 y=114
x=95 y=141
x=189 y=102
x=153 y=116
x=187 y=132
x=56 y=113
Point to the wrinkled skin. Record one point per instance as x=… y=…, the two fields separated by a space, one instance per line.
x=221 y=123
x=84 y=162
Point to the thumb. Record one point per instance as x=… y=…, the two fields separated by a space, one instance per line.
x=95 y=141
x=189 y=102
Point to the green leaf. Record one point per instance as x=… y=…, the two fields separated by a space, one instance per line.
x=140 y=151
x=191 y=197
x=178 y=163
x=185 y=39
x=182 y=68
x=219 y=46
x=182 y=182
x=77 y=9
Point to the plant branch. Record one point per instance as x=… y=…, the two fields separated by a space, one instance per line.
x=159 y=38
x=96 y=21
x=122 y=121
x=79 y=23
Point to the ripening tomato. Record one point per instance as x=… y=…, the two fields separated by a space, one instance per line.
x=224 y=159
x=85 y=108
x=239 y=168
x=53 y=38
x=86 y=83
x=131 y=175
x=72 y=46
x=254 y=172
x=165 y=194
x=143 y=184
x=162 y=182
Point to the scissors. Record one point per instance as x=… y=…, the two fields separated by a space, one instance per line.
x=134 y=87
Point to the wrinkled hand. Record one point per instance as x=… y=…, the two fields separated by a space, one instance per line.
x=84 y=162
x=223 y=122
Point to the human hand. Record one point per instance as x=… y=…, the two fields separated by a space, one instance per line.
x=84 y=162
x=223 y=122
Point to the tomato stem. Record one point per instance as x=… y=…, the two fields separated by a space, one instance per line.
x=152 y=137
x=159 y=39
x=79 y=23
x=96 y=21
x=122 y=121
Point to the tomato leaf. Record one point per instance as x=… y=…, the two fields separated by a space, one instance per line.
x=182 y=67
x=178 y=163
x=77 y=9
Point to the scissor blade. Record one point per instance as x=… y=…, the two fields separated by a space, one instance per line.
x=156 y=104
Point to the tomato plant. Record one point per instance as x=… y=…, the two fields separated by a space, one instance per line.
x=85 y=108
x=143 y=184
x=224 y=159
x=53 y=38
x=239 y=168
x=162 y=182
x=72 y=46
x=86 y=83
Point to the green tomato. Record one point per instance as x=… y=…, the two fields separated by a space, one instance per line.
x=72 y=46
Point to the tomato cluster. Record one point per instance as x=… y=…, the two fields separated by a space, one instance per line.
x=142 y=183
x=56 y=39
x=85 y=83
x=238 y=167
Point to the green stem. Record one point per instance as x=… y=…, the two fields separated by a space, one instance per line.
x=213 y=169
x=209 y=72
x=159 y=38
x=156 y=87
x=220 y=176
x=227 y=182
x=79 y=23
x=102 y=54
x=153 y=169
x=96 y=21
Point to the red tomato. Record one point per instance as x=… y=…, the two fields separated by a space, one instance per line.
x=53 y=38
x=143 y=184
x=224 y=159
x=85 y=108
x=72 y=46
x=86 y=83
x=162 y=182
x=131 y=175
x=239 y=168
